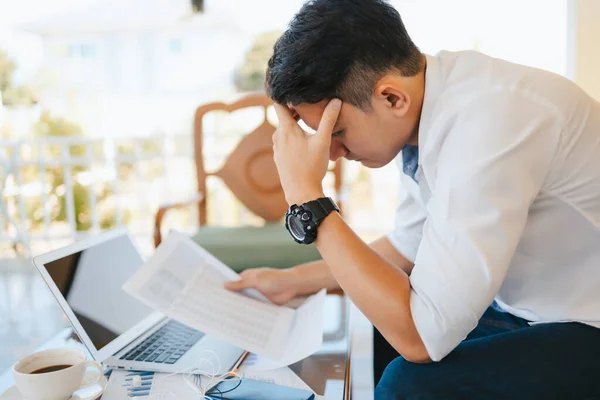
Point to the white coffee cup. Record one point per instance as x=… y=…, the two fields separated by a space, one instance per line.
x=56 y=385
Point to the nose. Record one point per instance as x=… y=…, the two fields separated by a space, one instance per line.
x=337 y=150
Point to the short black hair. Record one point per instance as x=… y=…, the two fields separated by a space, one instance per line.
x=339 y=49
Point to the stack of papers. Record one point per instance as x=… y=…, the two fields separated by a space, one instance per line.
x=186 y=283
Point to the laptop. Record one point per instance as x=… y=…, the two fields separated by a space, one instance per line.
x=86 y=278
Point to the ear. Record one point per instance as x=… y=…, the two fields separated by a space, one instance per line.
x=394 y=96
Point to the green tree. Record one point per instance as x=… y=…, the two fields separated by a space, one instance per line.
x=7 y=68
x=250 y=76
x=12 y=95
x=49 y=126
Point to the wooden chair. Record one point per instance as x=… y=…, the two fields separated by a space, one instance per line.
x=251 y=175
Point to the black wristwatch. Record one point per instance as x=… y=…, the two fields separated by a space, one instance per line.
x=302 y=221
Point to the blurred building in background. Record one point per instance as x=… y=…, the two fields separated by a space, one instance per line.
x=134 y=67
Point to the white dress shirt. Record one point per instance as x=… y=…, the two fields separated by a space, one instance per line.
x=507 y=203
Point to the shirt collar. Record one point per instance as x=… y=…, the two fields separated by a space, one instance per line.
x=433 y=88
x=410 y=161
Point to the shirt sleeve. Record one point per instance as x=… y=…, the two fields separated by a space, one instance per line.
x=409 y=219
x=494 y=159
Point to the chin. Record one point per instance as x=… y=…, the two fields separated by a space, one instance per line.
x=373 y=163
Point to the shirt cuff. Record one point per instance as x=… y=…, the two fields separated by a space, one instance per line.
x=428 y=328
x=439 y=335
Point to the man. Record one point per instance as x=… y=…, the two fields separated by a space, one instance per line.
x=489 y=287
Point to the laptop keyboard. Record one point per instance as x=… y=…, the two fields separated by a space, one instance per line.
x=166 y=345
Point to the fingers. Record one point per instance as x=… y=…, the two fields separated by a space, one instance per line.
x=329 y=118
x=236 y=286
x=284 y=115
x=295 y=114
x=242 y=284
x=248 y=281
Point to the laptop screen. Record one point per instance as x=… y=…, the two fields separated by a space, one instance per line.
x=91 y=282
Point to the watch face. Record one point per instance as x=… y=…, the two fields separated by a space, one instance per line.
x=296 y=227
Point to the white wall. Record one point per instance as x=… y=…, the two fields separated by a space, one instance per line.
x=585 y=17
x=531 y=32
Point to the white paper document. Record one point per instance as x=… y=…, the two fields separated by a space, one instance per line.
x=186 y=283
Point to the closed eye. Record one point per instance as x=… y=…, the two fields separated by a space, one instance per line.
x=338 y=133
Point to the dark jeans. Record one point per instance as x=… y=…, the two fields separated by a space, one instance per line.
x=505 y=358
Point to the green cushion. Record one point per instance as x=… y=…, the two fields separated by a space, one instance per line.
x=251 y=246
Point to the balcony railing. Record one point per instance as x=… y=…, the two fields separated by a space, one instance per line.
x=54 y=190
x=61 y=189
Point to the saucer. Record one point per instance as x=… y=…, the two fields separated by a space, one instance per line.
x=89 y=393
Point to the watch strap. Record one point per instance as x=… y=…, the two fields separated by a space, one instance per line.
x=321 y=208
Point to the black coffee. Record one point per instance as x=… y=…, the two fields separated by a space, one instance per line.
x=51 y=368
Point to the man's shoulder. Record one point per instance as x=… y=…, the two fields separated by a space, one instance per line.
x=456 y=62
x=470 y=77
x=461 y=56
x=480 y=64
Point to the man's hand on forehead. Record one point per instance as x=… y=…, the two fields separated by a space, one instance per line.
x=302 y=159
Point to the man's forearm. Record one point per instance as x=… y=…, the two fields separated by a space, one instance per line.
x=379 y=288
x=314 y=276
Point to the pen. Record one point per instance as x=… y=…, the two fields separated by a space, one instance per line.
x=239 y=362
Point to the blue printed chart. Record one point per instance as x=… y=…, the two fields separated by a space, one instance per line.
x=145 y=387
x=125 y=385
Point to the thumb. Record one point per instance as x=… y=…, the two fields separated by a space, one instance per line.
x=328 y=120
x=238 y=285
